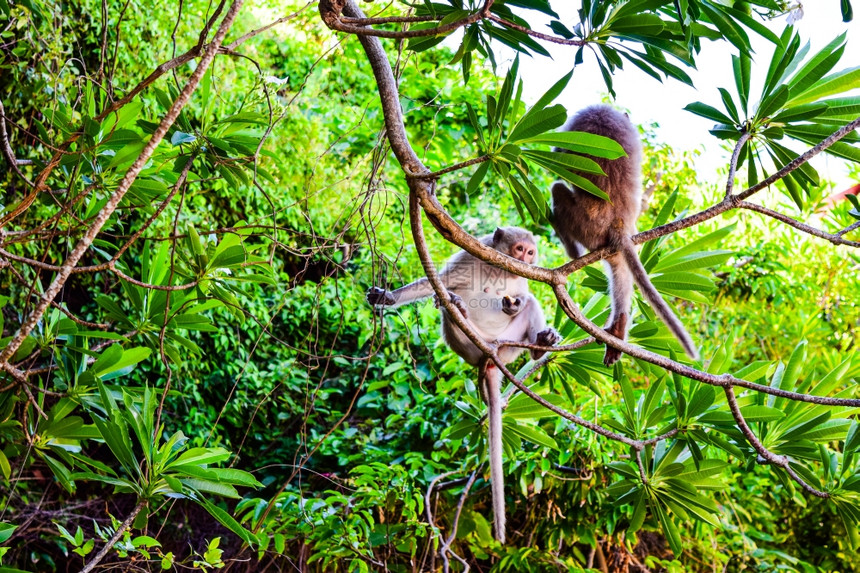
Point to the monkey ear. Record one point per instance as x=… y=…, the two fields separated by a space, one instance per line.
x=498 y=235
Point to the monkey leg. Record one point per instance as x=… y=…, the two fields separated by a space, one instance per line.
x=458 y=342
x=621 y=290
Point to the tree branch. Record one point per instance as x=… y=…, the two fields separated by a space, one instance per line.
x=767 y=455
x=114 y=538
x=833 y=238
x=104 y=214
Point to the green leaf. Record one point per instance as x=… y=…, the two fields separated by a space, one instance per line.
x=817 y=66
x=179 y=138
x=839 y=82
x=542 y=121
x=727 y=27
x=200 y=456
x=145 y=540
x=477 y=177
x=534 y=434
x=6 y=531
x=581 y=142
x=773 y=103
x=670 y=530
x=209 y=486
x=708 y=112
x=639 y=24
x=800 y=112
x=741 y=66
x=567 y=160
x=522 y=407
x=227 y=521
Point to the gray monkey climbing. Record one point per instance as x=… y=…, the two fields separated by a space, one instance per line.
x=499 y=306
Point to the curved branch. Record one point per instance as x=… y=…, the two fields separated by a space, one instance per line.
x=446 y=546
x=767 y=455
x=330 y=10
x=722 y=380
x=848 y=229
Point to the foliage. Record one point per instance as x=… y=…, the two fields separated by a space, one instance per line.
x=218 y=314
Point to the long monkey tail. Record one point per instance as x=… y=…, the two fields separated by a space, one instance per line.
x=640 y=276
x=492 y=379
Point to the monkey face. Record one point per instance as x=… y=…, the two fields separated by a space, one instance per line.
x=524 y=251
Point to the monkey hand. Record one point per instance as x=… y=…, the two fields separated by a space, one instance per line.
x=512 y=305
x=547 y=337
x=379 y=297
x=456 y=300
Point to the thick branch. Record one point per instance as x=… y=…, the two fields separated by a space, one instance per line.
x=733 y=164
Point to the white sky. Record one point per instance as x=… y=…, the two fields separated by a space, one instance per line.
x=648 y=100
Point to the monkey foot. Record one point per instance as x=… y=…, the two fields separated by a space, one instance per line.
x=618 y=329
x=547 y=337
x=611 y=356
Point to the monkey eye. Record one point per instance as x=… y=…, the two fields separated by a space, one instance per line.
x=531 y=252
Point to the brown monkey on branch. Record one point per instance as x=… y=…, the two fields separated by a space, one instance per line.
x=499 y=306
x=583 y=221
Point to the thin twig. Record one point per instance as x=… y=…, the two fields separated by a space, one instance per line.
x=6 y=147
x=114 y=538
x=104 y=214
x=450 y=168
x=848 y=229
x=832 y=237
x=445 y=549
x=534 y=34
x=766 y=455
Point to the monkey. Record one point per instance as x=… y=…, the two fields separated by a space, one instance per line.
x=499 y=306
x=583 y=221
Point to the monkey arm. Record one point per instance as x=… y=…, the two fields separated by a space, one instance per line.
x=404 y=295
